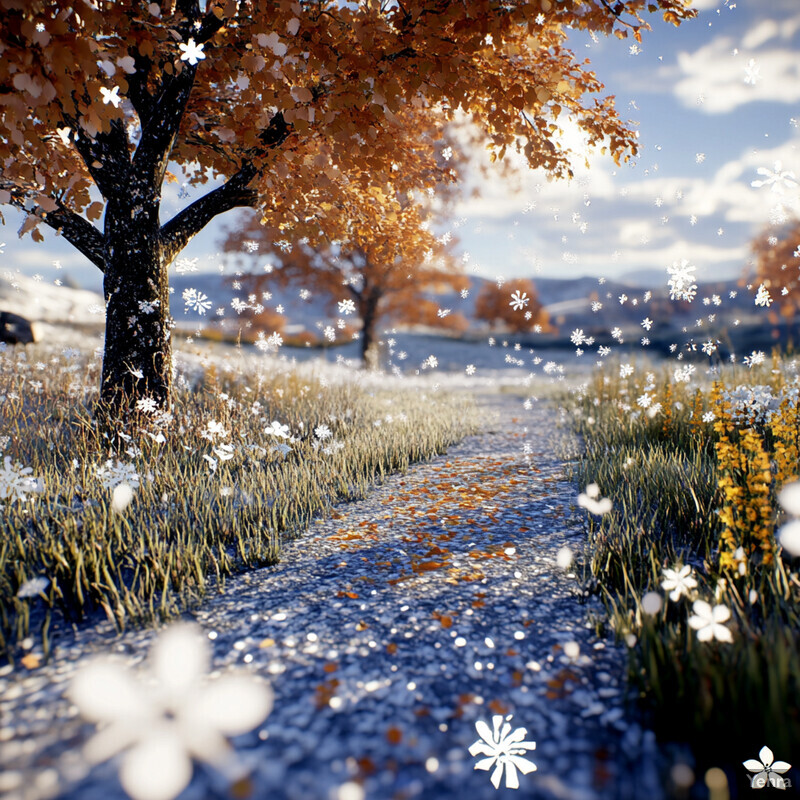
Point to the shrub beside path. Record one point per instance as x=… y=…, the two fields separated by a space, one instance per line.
x=386 y=632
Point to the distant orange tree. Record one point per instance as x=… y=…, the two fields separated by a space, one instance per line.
x=777 y=257
x=386 y=264
x=514 y=306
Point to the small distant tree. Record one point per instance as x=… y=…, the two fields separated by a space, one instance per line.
x=777 y=261
x=514 y=306
x=383 y=265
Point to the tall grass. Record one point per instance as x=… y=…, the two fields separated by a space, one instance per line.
x=677 y=482
x=190 y=523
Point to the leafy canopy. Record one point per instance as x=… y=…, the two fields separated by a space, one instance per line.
x=293 y=99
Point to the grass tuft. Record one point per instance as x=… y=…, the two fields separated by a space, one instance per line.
x=214 y=492
x=693 y=472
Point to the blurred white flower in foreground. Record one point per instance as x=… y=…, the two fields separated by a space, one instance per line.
x=33 y=587
x=789 y=534
x=592 y=502
x=678 y=582
x=505 y=749
x=166 y=721
x=707 y=621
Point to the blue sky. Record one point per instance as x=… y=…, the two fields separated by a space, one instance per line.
x=716 y=99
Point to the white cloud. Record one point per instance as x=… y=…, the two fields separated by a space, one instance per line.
x=712 y=78
x=760 y=33
x=708 y=5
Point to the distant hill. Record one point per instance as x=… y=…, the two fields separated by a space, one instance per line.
x=569 y=302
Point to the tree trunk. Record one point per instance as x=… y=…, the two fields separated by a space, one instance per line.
x=137 y=361
x=370 y=355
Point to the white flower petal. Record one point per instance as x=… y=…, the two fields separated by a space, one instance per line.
x=720 y=633
x=104 y=691
x=705 y=633
x=760 y=781
x=157 y=769
x=752 y=765
x=766 y=755
x=180 y=658
x=113 y=739
x=780 y=766
x=789 y=498
x=720 y=614
x=789 y=535
x=234 y=704
x=702 y=609
x=776 y=780
x=484 y=763
x=203 y=741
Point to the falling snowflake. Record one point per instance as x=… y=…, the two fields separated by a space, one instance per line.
x=777 y=179
x=681 y=282
x=763 y=297
x=752 y=73
x=196 y=301
x=504 y=749
x=192 y=52
x=519 y=300
x=111 y=96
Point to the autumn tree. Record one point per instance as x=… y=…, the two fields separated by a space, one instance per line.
x=381 y=268
x=370 y=253
x=278 y=103
x=513 y=306
x=777 y=263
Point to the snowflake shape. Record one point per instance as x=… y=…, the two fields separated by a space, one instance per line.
x=191 y=52
x=776 y=179
x=504 y=749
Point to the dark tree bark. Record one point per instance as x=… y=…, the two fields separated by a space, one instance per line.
x=134 y=251
x=370 y=355
x=137 y=362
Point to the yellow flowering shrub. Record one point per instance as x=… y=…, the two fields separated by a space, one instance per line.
x=785 y=430
x=746 y=479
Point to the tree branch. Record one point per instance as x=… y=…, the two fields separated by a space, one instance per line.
x=106 y=156
x=158 y=134
x=80 y=233
x=163 y=114
x=140 y=97
x=176 y=233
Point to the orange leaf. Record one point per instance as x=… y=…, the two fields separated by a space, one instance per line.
x=394 y=735
x=30 y=661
